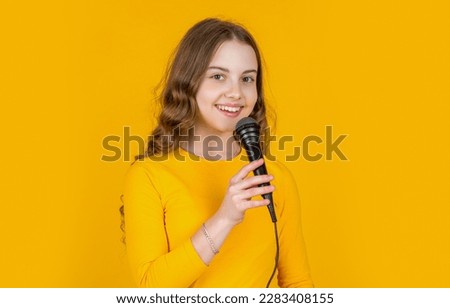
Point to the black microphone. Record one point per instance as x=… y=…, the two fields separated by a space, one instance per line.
x=247 y=130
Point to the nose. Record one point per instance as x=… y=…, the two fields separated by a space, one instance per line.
x=234 y=90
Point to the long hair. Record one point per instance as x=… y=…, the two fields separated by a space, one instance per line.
x=182 y=80
x=181 y=83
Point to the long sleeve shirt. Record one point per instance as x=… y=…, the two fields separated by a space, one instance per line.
x=168 y=198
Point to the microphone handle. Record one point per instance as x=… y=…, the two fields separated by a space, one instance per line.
x=254 y=153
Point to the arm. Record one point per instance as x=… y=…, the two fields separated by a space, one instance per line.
x=151 y=262
x=293 y=265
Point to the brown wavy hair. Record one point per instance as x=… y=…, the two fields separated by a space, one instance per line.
x=182 y=80
x=192 y=57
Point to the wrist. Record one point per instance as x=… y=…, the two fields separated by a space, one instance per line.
x=220 y=222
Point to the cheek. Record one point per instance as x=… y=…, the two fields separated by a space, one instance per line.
x=207 y=93
x=251 y=95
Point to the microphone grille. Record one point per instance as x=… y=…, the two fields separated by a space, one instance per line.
x=245 y=121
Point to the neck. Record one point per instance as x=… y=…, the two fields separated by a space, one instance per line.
x=214 y=147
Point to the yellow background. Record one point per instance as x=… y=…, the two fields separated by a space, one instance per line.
x=75 y=72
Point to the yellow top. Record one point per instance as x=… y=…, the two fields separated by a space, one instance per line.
x=167 y=200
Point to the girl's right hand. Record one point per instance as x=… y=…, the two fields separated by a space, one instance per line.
x=240 y=191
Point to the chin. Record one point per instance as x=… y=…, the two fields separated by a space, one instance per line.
x=225 y=129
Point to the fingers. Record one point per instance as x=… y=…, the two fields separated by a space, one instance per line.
x=256 y=191
x=254 y=203
x=253 y=181
x=241 y=191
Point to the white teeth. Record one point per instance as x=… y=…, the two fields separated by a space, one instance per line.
x=229 y=109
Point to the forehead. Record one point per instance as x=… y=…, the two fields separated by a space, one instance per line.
x=235 y=55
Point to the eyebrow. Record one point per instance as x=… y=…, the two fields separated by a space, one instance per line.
x=227 y=70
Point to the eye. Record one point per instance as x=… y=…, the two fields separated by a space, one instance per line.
x=217 y=77
x=248 y=79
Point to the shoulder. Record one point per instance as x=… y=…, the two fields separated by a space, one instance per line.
x=280 y=169
x=157 y=169
x=284 y=180
x=144 y=169
x=151 y=164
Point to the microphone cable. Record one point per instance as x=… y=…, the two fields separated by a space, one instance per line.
x=277 y=254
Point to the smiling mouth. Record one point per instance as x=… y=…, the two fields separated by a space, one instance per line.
x=229 y=108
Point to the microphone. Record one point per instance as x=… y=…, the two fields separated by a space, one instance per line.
x=247 y=130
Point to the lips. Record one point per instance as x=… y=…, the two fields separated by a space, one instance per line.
x=229 y=111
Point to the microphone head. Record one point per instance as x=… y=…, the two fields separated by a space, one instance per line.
x=247 y=131
x=245 y=121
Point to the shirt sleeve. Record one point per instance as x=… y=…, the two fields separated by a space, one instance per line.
x=152 y=264
x=293 y=267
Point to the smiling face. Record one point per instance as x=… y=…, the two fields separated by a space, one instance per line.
x=227 y=91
